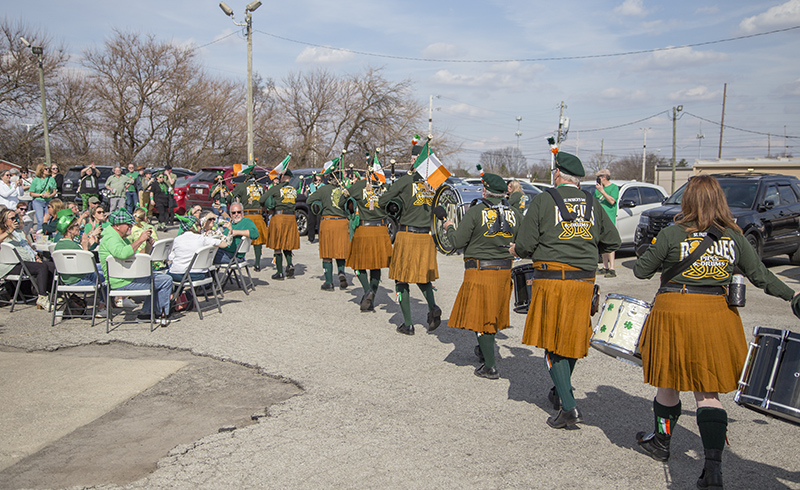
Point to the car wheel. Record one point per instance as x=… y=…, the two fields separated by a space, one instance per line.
x=753 y=240
x=302 y=221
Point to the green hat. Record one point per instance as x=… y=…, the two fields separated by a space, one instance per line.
x=494 y=183
x=65 y=219
x=121 y=217
x=569 y=164
x=288 y=173
x=188 y=222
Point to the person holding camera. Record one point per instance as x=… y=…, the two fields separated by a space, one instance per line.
x=608 y=195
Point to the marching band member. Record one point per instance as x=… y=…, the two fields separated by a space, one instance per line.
x=249 y=193
x=334 y=239
x=283 y=235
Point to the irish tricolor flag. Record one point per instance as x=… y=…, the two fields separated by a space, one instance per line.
x=330 y=166
x=428 y=166
x=377 y=170
x=280 y=169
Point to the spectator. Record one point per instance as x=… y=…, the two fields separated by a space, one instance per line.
x=95 y=226
x=115 y=243
x=43 y=188
x=68 y=225
x=240 y=227
x=219 y=196
x=186 y=244
x=27 y=223
x=42 y=272
x=89 y=186
x=27 y=180
x=145 y=177
x=58 y=177
x=608 y=194
x=169 y=180
x=159 y=197
x=10 y=192
x=316 y=183
x=116 y=185
x=131 y=191
x=49 y=224
x=140 y=217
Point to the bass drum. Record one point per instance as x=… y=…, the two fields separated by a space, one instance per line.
x=448 y=198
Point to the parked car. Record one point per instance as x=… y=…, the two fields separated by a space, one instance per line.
x=766 y=208
x=301 y=177
x=634 y=199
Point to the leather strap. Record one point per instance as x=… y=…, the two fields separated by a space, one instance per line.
x=562 y=208
x=563 y=275
x=488 y=264
x=682 y=288
x=414 y=229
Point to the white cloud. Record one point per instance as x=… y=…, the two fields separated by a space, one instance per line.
x=680 y=58
x=631 y=8
x=441 y=51
x=620 y=94
x=785 y=15
x=323 y=55
x=713 y=9
x=468 y=110
x=697 y=93
x=791 y=89
x=512 y=75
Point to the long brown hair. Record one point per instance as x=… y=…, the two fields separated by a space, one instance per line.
x=4 y=214
x=703 y=204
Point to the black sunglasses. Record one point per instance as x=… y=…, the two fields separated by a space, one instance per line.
x=237 y=212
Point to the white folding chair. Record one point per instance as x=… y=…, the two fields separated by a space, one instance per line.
x=235 y=266
x=77 y=262
x=161 y=250
x=135 y=267
x=202 y=260
x=10 y=255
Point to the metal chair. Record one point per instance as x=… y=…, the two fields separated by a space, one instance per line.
x=202 y=260
x=235 y=266
x=10 y=255
x=77 y=262
x=135 y=267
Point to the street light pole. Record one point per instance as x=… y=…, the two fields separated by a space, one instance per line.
x=38 y=51
x=248 y=25
x=644 y=155
x=675 y=111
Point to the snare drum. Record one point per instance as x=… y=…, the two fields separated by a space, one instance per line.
x=619 y=327
x=770 y=381
x=522 y=275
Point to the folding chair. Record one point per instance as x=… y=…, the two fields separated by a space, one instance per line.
x=78 y=262
x=10 y=255
x=235 y=266
x=161 y=250
x=134 y=267
x=201 y=261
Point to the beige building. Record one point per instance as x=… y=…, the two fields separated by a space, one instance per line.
x=780 y=165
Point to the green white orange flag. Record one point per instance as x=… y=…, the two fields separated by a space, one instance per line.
x=280 y=169
x=240 y=168
x=330 y=166
x=377 y=170
x=429 y=167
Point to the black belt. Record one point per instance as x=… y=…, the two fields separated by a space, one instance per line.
x=680 y=288
x=332 y=218
x=488 y=264
x=373 y=222
x=563 y=275
x=252 y=212
x=414 y=229
x=284 y=212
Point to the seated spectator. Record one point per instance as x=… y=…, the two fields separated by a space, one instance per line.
x=50 y=221
x=140 y=216
x=186 y=244
x=240 y=227
x=27 y=222
x=69 y=227
x=96 y=223
x=115 y=243
x=42 y=272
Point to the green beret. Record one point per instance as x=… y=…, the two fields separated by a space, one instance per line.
x=494 y=183
x=65 y=219
x=569 y=164
x=288 y=173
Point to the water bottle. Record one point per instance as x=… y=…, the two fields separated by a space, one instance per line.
x=736 y=291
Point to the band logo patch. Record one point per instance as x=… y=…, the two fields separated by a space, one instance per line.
x=580 y=228
x=422 y=195
x=370 y=198
x=288 y=194
x=254 y=192
x=489 y=218
x=714 y=262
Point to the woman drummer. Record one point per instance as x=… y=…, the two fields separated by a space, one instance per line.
x=692 y=340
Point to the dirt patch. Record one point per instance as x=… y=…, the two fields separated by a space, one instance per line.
x=125 y=444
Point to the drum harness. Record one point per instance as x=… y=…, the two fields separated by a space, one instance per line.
x=500 y=225
x=568 y=216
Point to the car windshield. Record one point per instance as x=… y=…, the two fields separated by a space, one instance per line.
x=205 y=176
x=739 y=194
x=456 y=181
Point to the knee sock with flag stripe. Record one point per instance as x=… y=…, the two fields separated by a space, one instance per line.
x=405 y=302
x=328 y=268
x=561 y=374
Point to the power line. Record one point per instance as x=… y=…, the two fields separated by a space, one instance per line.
x=216 y=40
x=739 y=129
x=528 y=60
x=619 y=125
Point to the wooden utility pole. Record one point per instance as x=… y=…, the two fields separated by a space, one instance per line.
x=722 y=122
x=560 y=119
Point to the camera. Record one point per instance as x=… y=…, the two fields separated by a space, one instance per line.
x=599 y=180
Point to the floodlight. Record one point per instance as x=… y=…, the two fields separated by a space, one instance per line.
x=252 y=6
x=228 y=11
x=680 y=108
x=25 y=42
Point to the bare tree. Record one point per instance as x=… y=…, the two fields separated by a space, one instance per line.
x=630 y=167
x=508 y=161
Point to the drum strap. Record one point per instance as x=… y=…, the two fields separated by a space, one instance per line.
x=562 y=208
x=713 y=234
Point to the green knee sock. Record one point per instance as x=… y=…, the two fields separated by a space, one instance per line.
x=288 y=255
x=713 y=425
x=374 y=279
x=666 y=418
x=427 y=291
x=278 y=261
x=340 y=265
x=361 y=274
x=328 y=268
x=560 y=373
x=257 y=252
x=486 y=342
x=405 y=302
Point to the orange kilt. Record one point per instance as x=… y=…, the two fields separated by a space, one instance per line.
x=262 y=228
x=334 y=238
x=370 y=248
x=559 y=315
x=482 y=301
x=283 y=233
x=413 y=258
x=693 y=342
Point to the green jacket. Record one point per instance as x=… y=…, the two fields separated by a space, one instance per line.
x=518 y=200
x=363 y=196
x=249 y=194
x=715 y=267
x=545 y=236
x=476 y=234
x=330 y=196
x=280 y=197
x=114 y=245
x=417 y=201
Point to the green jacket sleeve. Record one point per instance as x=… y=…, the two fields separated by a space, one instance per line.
x=609 y=235
x=528 y=234
x=757 y=272
x=647 y=265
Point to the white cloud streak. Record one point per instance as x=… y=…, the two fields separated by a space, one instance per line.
x=785 y=15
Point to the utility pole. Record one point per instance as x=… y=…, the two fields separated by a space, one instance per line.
x=560 y=122
x=577 y=142
x=644 y=155
x=722 y=122
x=38 y=51
x=602 y=142
x=430 y=117
x=785 y=142
x=769 y=144
x=675 y=111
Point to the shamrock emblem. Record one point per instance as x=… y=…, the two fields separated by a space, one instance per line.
x=628 y=325
x=603 y=328
x=611 y=307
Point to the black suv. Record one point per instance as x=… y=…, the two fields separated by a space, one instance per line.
x=766 y=207
x=72 y=182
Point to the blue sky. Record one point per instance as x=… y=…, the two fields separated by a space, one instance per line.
x=477 y=102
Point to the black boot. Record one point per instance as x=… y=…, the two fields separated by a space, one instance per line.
x=711 y=477
x=553 y=397
x=657 y=445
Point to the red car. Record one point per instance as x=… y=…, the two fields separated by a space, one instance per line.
x=199 y=187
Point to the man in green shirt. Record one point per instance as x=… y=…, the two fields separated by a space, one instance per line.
x=608 y=195
x=117 y=184
x=240 y=227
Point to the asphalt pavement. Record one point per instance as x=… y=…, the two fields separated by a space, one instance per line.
x=384 y=410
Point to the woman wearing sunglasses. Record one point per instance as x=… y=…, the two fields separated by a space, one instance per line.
x=10 y=192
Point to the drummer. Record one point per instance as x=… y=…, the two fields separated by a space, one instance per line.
x=692 y=340
x=564 y=253
x=486 y=230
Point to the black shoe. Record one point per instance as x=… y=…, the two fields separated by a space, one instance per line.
x=479 y=353
x=566 y=420
x=366 y=301
x=278 y=276
x=257 y=268
x=611 y=273
x=406 y=330
x=290 y=270
x=488 y=373
x=711 y=477
x=434 y=319
x=656 y=445
x=554 y=398
x=326 y=287
x=145 y=318
x=342 y=281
